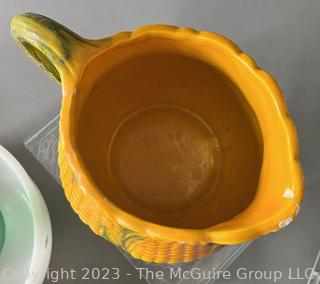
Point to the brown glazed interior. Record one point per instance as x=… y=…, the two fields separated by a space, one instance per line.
x=168 y=137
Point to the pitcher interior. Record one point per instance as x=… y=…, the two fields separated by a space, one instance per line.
x=165 y=135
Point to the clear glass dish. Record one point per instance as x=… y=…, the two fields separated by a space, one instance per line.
x=43 y=145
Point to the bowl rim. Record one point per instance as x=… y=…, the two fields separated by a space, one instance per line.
x=219 y=233
x=41 y=253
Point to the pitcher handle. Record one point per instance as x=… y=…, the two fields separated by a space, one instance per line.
x=56 y=49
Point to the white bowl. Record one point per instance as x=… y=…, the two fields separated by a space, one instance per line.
x=26 y=250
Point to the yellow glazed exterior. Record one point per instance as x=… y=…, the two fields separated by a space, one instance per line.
x=64 y=55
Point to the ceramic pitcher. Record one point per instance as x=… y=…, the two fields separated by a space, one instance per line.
x=172 y=142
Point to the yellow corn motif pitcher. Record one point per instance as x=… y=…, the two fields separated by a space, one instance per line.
x=172 y=141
